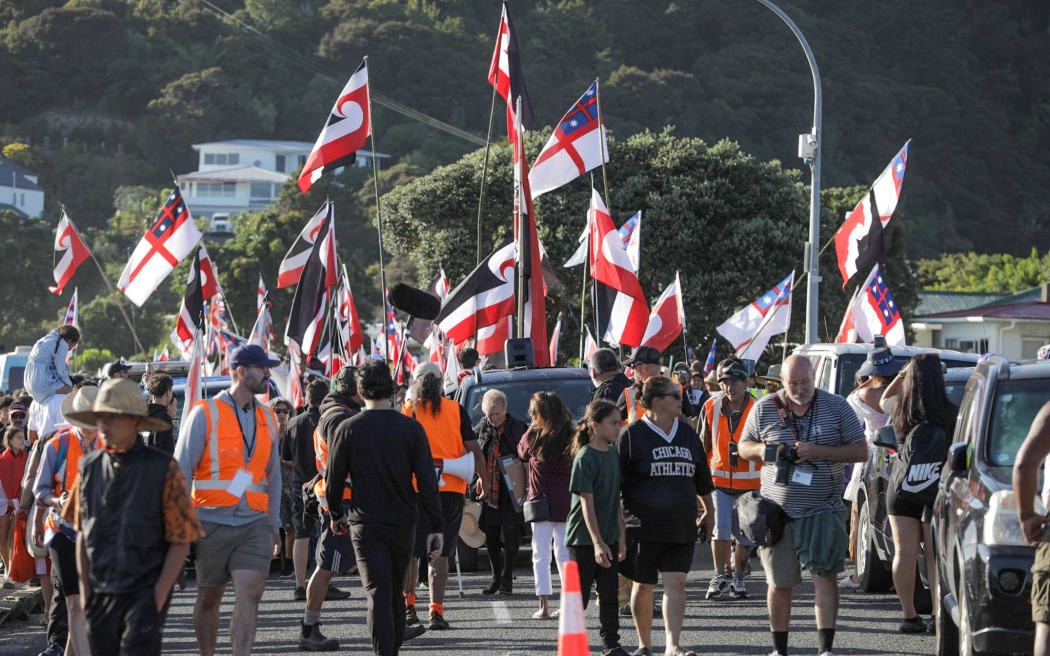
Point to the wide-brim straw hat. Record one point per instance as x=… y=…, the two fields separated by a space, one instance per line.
x=470 y=528
x=79 y=401
x=122 y=397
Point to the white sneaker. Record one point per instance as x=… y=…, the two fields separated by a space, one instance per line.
x=775 y=653
x=826 y=653
x=718 y=586
x=738 y=589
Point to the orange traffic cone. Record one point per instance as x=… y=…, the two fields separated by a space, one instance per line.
x=572 y=630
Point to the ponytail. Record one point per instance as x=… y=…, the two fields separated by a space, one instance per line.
x=597 y=411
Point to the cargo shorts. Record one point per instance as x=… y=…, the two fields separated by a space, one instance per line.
x=1041 y=582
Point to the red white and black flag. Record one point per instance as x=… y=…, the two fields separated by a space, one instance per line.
x=535 y=289
x=506 y=75
x=191 y=312
x=623 y=313
x=70 y=251
x=210 y=286
x=345 y=132
x=482 y=299
x=170 y=239
x=295 y=259
x=307 y=315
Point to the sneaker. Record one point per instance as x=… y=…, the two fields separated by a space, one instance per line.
x=931 y=626
x=738 y=589
x=313 y=640
x=657 y=611
x=53 y=649
x=718 y=586
x=413 y=632
x=912 y=625
x=300 y=594
x=492 y=589
x=411 y=618
x=438 y=623
x=826 y=653
x=775 y=653
x=625 y=610
x=616 y=651
x=642 y=651
x=335 y=594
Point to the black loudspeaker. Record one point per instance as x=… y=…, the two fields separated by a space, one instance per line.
x=519 y=352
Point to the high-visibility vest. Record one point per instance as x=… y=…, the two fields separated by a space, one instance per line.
x=68 y=452
x=634 y=404
x=444 y=436
x=746 y=475
x=321 y=460
x=223 y=457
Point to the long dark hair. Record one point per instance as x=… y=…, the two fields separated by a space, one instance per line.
x=597 y=412
x=923 y=399
x=551 y=435
x=428 y=389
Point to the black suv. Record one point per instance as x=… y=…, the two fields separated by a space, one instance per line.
x=572 y=384
x=983 y=562
x=874 y=558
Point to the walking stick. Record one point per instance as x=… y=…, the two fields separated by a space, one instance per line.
x=459 y=573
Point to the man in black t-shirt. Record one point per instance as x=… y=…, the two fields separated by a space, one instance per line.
x=664 y=474
x=609 y=381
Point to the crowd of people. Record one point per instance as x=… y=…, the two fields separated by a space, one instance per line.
x=102 y=500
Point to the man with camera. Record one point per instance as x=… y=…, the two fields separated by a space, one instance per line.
x=803 y=436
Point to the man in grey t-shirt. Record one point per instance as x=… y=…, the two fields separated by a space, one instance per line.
x=804 y=435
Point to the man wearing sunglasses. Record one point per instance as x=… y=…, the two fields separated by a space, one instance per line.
x=665 y=481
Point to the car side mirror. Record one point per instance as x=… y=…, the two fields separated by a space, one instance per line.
x=886 y=437
x=958 y=458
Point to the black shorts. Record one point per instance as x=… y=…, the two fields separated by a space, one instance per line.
x=645 y=559
x=903 y=508
x=63 y=552
x=303 y=525
x=335 y=553
x=452 y=516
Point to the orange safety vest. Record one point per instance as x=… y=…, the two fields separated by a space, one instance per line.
x=66 y=473
x=634 y=404
x=321 y=460
x=746 y=475
x=223 y=457
x=446 y=440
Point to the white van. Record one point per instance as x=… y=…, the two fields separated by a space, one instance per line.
x=221 y=222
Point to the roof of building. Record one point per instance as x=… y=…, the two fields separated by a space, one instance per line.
x=1031 y=310
x=235 y=174
x=13 y=174
x=273 y=144
x=9 y=206
x=935 y=301
x=1024 y=296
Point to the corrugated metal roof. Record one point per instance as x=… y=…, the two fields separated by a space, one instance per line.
x=8 y=172
x=933 y=302
x=1027 y=296
x=1029 y=310
x=235 y=174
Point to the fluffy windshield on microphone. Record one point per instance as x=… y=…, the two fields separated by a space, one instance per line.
x=415 y=302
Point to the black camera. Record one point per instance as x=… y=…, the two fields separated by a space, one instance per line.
x=784 y=455
x=734 y=455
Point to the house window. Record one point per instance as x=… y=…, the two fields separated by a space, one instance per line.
x=967 y=345
x=218 y=189
x=209 y=158
x=23 y=200
x=302 y=160
x=222 y=159
x=280 y=164
x=261 y=190
x=1030 y=346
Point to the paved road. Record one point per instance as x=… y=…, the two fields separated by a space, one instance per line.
x=867 y=623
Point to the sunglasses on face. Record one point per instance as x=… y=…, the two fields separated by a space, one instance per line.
x=282 y=411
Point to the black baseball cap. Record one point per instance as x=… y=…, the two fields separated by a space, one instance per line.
x=644 y=355
x=731 y=368
x=114 y=368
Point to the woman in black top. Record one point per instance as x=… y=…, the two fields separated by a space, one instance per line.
x=498 y=435
x=924 y=418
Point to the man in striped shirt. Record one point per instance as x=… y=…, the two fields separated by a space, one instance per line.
x=804 y=436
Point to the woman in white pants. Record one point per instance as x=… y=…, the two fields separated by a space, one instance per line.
x=546 y=449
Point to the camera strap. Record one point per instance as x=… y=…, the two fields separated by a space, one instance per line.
x=782 y=411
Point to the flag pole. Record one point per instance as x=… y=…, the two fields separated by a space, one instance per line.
x=583 y=285
x=685 y=342
x=379 y=215
x=601 y=142
x=784 y=351
x=519 y=221
x=484 y=172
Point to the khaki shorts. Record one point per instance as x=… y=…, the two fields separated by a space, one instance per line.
x=1041 y=584
x=782 y=565
x=224 y=549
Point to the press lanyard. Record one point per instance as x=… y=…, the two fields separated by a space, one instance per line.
x=811 y=413
x=244 y=438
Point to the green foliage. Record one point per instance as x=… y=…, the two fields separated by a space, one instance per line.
x=25 y=155
x=92 y=359
x=985 y=273
x=29 y=309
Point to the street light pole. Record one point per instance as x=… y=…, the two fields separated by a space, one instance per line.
x=809 y=151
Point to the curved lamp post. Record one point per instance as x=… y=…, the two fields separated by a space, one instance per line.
x=809 y=151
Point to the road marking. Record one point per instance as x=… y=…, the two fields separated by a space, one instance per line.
x=501 y=612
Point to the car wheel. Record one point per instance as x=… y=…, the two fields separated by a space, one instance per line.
x=872 y=574
x=947 y=632
x=966 y=647
x=468 y=557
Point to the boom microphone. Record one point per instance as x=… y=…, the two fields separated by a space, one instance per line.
x=415 y=302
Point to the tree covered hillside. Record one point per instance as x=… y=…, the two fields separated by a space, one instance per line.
x=120 y=89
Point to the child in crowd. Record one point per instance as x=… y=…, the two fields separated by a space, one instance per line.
x=596 y=534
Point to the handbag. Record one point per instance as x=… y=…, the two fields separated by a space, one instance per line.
x=536 y=509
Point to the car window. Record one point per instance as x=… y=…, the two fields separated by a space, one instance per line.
x=824 y=380
x=1015 y=406
x=955 y=391
x=575 y=392
x=847 y=380
x=970 y=400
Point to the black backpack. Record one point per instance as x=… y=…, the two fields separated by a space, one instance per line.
x=761 y=520
x=921 y=460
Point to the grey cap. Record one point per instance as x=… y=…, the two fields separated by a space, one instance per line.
x=604 y=360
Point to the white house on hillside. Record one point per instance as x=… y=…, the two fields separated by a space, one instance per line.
x=245 y=175
x=19 y=190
